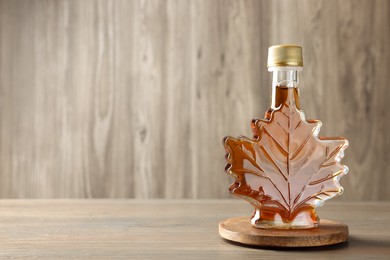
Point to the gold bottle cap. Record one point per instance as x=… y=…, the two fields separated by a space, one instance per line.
x=285 y=55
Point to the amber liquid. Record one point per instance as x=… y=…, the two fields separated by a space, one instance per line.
x=282 y=95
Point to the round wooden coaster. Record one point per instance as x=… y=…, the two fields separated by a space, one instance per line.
x=240 y=230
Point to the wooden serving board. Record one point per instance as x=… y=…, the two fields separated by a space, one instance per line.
x=240 y=230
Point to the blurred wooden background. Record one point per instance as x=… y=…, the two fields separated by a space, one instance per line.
x=132 y=98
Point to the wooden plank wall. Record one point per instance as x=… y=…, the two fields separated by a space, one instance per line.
x=131 y=99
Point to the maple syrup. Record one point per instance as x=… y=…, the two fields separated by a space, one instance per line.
x=286 y=170
x=280 y=96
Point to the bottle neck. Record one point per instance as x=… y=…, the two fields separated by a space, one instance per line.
x=285 y=81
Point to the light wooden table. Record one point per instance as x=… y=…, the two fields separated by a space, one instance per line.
x=167 y=229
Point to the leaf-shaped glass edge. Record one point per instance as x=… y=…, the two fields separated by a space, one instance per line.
x=257 y=127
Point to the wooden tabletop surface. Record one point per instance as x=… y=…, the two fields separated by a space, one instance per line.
x=168 y=229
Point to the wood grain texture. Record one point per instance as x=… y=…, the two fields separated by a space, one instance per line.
x=131 y=99
x=240 y=230
x=168 y=229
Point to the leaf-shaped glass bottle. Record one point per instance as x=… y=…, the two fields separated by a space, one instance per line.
x=285 y=171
